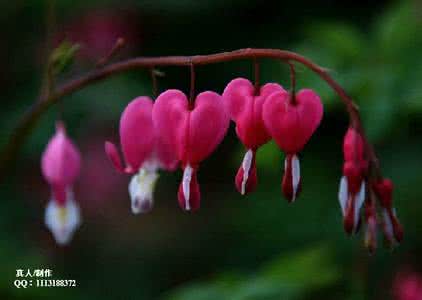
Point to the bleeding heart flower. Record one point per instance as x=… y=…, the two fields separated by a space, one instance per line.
x=245 y=109
x=193 y=133
x=60 y=165
x=392 y=228
x=291 y=120
x=144 y=152
x=352 y=190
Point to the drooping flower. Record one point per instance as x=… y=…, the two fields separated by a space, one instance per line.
x=60 y=165
x=291 y=120
x=144 y=153
x=193 y=132
x=352 y=190
x=393 y=230
x=245 y=109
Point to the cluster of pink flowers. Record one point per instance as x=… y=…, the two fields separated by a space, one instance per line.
x=192 y=131
x=357 y=187
x=174 y=131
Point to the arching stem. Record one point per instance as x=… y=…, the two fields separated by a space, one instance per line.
x=30 y=118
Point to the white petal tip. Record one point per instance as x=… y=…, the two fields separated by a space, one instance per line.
x=141 y=190
x=187 y=177
x=295 y=175
x=62 y=221
x=246 y=166
x=343 y=194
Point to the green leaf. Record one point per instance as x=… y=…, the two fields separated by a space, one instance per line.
x=62 y=57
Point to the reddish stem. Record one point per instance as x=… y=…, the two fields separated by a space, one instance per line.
x=292 y=83
x=37 y=109
x=192 y=86
x=257 y=76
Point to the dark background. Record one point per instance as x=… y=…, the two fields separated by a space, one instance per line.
x=254 y=247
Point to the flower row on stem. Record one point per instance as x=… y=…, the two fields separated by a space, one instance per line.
x=260 y=112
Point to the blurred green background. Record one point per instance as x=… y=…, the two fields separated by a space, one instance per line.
x=254 y=247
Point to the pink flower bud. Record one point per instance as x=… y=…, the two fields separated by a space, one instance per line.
x=393 y=230
x=352 y=192
x=353 y=146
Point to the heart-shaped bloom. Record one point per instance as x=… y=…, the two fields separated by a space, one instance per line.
x=193 y=133
x=245 y=109
x=60 y=165
x=144 y=153
x=291 y=123
x=352 y=185
x=393 y=230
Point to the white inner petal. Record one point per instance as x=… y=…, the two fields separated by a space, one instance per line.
x=360 y=198
x=141 y=190
x=343 y=194
x=62 y=221
x=246 y=166
x=295 y=175
x=187 y=177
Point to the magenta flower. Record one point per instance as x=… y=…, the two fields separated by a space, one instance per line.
x=60 y=165
x=291 y=122
x=193 y=133
x=245 y=108
x=352 y=185
x=144 y=153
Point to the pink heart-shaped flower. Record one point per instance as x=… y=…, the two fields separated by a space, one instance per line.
x=245 y=109
x=193 y=134
x=292 y=125
x=144 y=152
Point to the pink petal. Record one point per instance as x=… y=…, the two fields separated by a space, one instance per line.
x=165 y=154
x=60 y=162
x=194 y=134
x=137 y=133
x=353 y=146
x=113 y=155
